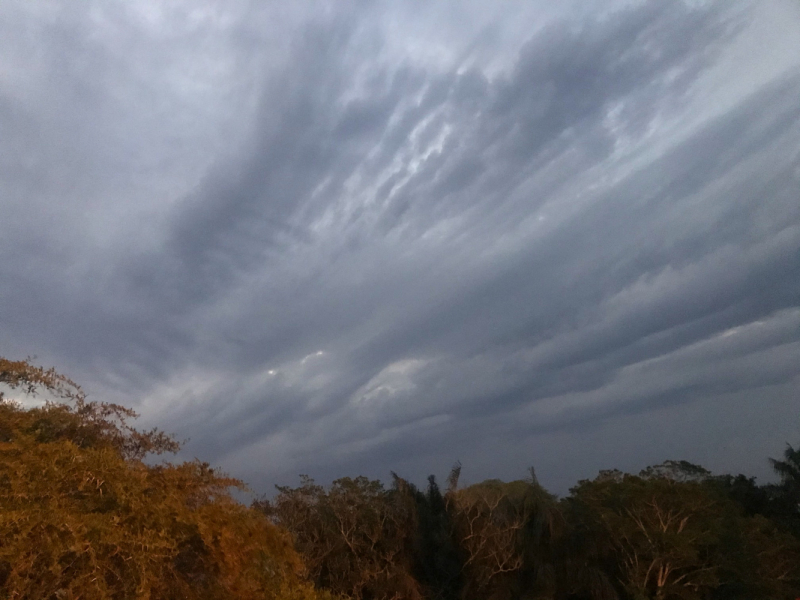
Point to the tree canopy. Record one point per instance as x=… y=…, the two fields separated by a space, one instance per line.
x=84 y=516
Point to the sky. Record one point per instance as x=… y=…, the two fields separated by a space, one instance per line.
x=351 y=238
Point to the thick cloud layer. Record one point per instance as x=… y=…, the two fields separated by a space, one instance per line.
x=353 y=238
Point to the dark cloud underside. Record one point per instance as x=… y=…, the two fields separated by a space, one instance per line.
x=312 y=247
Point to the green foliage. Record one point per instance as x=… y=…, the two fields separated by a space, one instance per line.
x=672 y=532
x=789 y=469
x=504 y=531
x=663 y=537
x=352 y=536
x=435 y=557
x=787 y=494
x=676 y=470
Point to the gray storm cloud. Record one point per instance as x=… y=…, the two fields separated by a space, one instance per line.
x=352 y=238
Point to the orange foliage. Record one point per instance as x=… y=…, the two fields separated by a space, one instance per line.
x=82 y=517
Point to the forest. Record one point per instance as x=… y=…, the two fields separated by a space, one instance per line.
x=87 y=513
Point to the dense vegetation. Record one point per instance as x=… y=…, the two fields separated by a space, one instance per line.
x=83 y=516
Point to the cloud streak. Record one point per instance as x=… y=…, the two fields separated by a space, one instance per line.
x=327 y=239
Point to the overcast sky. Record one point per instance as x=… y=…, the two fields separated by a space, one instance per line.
x=347 y=238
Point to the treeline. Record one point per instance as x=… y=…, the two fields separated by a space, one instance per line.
x=672 y=531
x=83 y=516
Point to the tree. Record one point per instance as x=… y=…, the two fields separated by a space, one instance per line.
x=676 y=470
x=353 y=537
x=507 y=535
x=789 y=469
x=789 y=490
x=435 y=557
x=662 y=537
x=82 y=516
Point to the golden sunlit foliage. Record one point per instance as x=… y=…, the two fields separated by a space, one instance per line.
x=82 y=516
